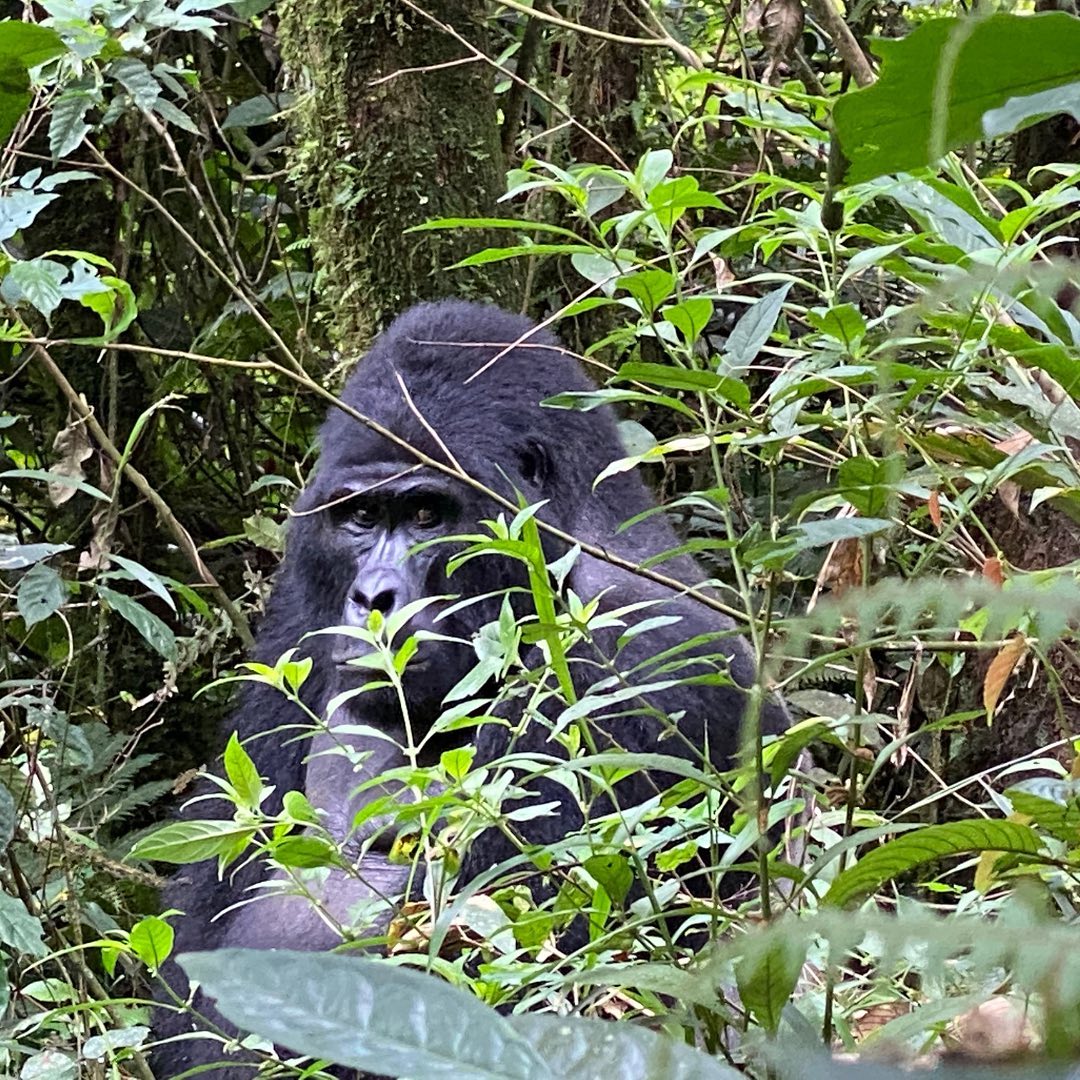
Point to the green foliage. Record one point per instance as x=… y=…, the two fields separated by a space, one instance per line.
x=372 y=1015
x=990 y=76
x=832 y=390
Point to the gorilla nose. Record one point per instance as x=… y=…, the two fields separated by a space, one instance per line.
x=379 y=592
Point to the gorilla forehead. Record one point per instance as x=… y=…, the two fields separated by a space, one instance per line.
x=436 y=349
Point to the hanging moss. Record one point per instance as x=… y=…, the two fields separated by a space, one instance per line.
x=377 y=157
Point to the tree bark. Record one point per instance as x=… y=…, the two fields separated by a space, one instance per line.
x=381 y=147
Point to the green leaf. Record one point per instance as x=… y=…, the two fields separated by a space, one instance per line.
x=242 y=774
x=19 y=208
x=38 y=282
x=869 y=484
x=40 y=593
x=298 y=808
x=152 y=941
x=650 y=288
x=843 y=322
x=612 y=873
x=928 y=845
x=19 y=929
x=191 y=841
x=20 y=556
x=137 y=572
x=23 y=45
x=938 y=83
x=256 y=111
x=753 y=329
x=574 y=1047
x=1053 y=804
x=157 y=635
x=137 y=79
x=67 y=122
x=671 y=377
x=690 y=317
x=305 y=852
x=766 y=976
x=56 y=478
x=365 y=1014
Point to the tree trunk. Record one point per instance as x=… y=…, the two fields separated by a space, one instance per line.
x=381 y=147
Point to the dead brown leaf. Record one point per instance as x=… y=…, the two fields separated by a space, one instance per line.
x=1000 y=670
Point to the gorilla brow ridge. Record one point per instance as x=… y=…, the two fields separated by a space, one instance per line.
x=329 y=504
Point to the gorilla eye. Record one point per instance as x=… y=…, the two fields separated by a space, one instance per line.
x=366 y=517
x=427 y=517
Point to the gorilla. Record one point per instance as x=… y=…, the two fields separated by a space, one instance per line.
x=461 y=386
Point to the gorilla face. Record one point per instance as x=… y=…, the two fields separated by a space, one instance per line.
x=374 y=524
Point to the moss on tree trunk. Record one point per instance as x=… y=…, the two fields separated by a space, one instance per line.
x=381 y=147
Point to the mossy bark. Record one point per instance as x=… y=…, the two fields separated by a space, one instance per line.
x=381 y=147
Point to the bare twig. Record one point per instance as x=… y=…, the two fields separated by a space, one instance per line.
x=146 y=489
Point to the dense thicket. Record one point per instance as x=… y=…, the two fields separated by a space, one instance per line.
x=821 y=261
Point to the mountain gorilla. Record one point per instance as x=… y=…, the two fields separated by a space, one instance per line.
x=462 y=383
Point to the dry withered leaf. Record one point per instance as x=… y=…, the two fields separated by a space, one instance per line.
x=933 y=506
x=72 y=447
x=997 y=1029
x=1000 y=670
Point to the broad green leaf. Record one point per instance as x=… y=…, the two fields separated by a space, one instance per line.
x=152 y=940
x=612 y=872
x=137 y=79
x=579 y=1049
x=928 y=845
x=40 y=593
x=305 y=852
x=653 y=167
x=23 y=45
x=829 y=530
x=843 y=322
x=256 y=110
x=139 y=573
x=690 y=317
x=938 y=83
x=672 y=377
x=19 y=929
x=1054 y=805
x=242 y=774
x=297 y=807
x=156 y=633
x=650 y=288
x=49 y=1064
x=107 y=1043
x=19 y=556
x=750 y=333
x=19 y=208
x=869 y=484
x=191 y=841
x=365 y=1014
x=55 y=478
x=38 y=282
x=766 y=975
x=67 y=122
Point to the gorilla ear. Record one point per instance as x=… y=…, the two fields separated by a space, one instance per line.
x=535 y=464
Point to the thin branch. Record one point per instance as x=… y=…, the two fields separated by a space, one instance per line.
x=168 y=519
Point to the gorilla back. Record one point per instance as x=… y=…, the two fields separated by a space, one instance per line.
x=462 y=384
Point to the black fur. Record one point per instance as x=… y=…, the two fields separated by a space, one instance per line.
x=496 y=428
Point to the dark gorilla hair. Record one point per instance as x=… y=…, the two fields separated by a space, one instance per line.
x=461 y=383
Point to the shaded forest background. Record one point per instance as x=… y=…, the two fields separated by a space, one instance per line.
x=208 y=211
